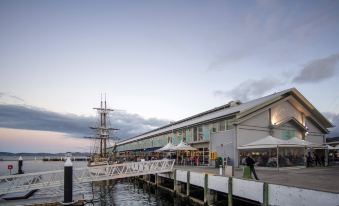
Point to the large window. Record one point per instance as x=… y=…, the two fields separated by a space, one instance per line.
x=184 y=135
x=229 y=124
x=222 y=125
x=195 y=134
x=214 y=127
x=200 y=133
x=189 y=136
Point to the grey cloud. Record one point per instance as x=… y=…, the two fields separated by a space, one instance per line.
x=318 y=70
x=250 y=89
x=334 y=118
x=24 y=117
x=6 y=98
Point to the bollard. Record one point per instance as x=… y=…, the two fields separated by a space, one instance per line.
x=68 y=181
x=220 y=170
x=230 y=192
x=20 y=166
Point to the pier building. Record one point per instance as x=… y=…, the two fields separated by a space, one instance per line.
x=222 y=130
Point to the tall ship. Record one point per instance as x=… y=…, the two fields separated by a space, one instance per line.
x=103 y=137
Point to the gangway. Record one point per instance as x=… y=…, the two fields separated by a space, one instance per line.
x=40 y=180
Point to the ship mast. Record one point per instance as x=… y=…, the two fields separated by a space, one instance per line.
x=103 y=131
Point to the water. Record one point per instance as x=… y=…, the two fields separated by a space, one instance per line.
x=115 y=192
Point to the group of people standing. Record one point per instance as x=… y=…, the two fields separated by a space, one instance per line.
x=315 y=159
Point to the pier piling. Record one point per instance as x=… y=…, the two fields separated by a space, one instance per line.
x=68 y=181
x=20 y=163
x=230 y=191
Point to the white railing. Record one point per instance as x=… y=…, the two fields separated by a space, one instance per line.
x=39 y=180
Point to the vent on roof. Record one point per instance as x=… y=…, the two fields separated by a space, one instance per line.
x=234 y=103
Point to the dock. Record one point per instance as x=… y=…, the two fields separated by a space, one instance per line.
x=204 y=186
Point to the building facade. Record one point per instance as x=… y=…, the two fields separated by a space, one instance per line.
x=284 y=115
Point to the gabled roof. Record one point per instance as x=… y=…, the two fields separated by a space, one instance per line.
x=241 y=110
x=291 y=120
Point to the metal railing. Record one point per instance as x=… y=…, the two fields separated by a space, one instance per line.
x=39 y=180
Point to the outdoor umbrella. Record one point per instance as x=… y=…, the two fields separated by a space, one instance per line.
x=183 y=146
x=168 y=147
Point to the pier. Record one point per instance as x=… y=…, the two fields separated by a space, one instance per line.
x=197 y=185
x=209 y=188
x=39 y=180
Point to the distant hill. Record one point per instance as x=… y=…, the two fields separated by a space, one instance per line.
x=42 y=154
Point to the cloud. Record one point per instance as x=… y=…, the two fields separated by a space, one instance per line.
x=250 y=89
x=318 y=70
x=334 y=118
x=6 y=98
x=25 y=117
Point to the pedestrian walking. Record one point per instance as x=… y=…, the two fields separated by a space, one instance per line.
x=250 y=163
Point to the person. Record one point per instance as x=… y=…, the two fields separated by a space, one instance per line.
x=250 y=162
x=322 y=160
x=309 y=160
x=317 y=159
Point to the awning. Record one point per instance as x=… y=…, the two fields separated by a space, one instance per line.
x=267 y=142
x=273 y=142
x=183 y=146
x=300 y=142
x=168 y=147
x=151 y=149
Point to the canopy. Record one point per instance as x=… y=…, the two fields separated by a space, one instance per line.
x=299 y=142
x=267 y=142
x=184 y=146
x=330 y=147
x=273 y=142
x=168 y=147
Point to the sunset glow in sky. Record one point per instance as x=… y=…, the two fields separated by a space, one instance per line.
x=157 y=61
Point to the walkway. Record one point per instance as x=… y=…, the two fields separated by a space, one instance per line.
x=39 y=180
x=316 y=178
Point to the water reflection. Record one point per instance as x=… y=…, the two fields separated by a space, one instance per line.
x=125 y=192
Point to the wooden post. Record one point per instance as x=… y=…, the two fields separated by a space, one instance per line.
x=230 y=192
x=205 y=189
x=156 y=179
x=188 y=184
x=175 y=181
x=278 y=158
x=265 y=194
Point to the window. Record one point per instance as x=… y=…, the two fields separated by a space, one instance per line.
x=229 y=124
x=200 y=133
x=189 y=136
x=222 y=125
x=183 y=135
x=214 y=127
x=195 y=134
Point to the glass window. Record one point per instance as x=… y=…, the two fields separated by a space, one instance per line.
x=183 y=135
x=206 y=132
x=200 y=133
x=229 y=124
x=214 y=127
x=189 y=136
x=222 y=125
x=195 y=134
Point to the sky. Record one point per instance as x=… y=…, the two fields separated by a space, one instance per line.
x=157 y=61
